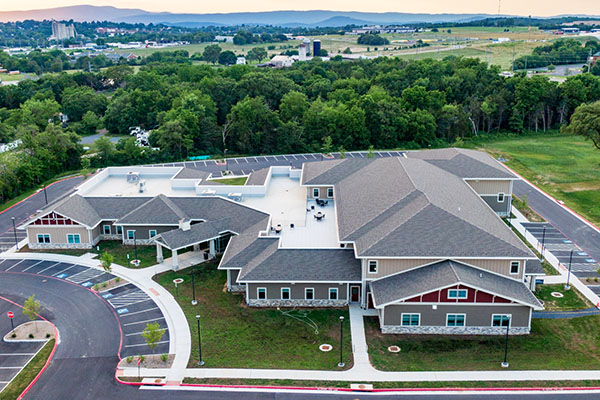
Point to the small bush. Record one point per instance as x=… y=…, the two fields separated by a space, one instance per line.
x=96 y=287
x=48 y=336
x=164 y=357
x=31 y=336
x=14 y=335
x=142 y=358
x=117 y=279
x=588 y=279
x=596 y=279
x=104 y=284
x=129 y=359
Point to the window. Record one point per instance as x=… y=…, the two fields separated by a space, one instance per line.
x=106 y=229
x=73 y=238
x=316 y=193
x=261 y=293
x=285 y=293
x=457 y=293
x=330 y=193
x=501 y=320
x=309 y=293
x=411 y=319
x=43 y=238
x=514 y=267
x=333 y=293
x=500 y=197
x=455 y=319
x=130 y=235
x=372 y=266
x=120 y=230
x=152 y=233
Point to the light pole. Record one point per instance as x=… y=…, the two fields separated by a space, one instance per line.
x=194 y=301
x=135 y=248
x=45 y=195
x=225 y=157
x=341 y=363
x=200 y=363
x=505 y=363
x=543 y=240
x=567 y=286
x=15 y=233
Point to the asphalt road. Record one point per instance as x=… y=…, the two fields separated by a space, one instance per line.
x=22 y=211
x=572 y=227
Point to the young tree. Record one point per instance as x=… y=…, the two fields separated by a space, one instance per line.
x=586 y=122
x=327 y=145
x=257 y=53
x=107 y=260
x=371 y=152
x=152 y=334
x=32 y=308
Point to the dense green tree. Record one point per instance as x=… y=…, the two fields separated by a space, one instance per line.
x=76 y=101
x=257 y=53
x=586 y=122
x=211 y=53
x=227 y=57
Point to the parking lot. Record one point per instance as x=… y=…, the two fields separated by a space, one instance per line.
x=582 y=264
x=13 y=356
x=7 y=239
x=133 y=306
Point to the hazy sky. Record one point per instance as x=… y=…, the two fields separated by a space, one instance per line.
x=520 y=7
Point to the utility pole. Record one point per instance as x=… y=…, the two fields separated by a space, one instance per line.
x=513 y=61
x=589 y=62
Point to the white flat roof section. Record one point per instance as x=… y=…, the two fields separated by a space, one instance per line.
x=313 y=233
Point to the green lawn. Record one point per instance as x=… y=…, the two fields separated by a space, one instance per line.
x=24 y=378
x=394 y=385
x=236 y=336
x=565 y=166
x=239 y=181
x=146 y=254
x=554 y=344
x=572 y=300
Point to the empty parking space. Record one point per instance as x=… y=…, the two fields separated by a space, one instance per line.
x=562 y=247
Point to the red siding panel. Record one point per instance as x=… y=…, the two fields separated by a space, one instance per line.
x=483 y=297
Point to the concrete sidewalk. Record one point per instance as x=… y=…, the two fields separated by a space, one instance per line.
x=179 y=331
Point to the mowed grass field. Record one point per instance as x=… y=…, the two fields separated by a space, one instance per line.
x=554 y=344
x=566 y=166
x=237 y=336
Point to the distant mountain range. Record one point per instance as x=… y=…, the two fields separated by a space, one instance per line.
x=280 y=18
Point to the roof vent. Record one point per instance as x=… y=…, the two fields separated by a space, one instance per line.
x=185 y=224
x=480 y=275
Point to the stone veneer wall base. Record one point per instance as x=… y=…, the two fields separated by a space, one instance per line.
x=450 y=330
x=237 y=288
x=60 y=246
x=297 y=303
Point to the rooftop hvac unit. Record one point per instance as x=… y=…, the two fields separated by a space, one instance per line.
x=142 y=186
x=133 y=177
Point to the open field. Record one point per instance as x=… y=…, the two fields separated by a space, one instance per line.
x=565 y=166
x=236 y=336
x=567 y=344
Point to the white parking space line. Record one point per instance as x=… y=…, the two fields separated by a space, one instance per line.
x=144 y=344
x=139 y=333
x=16 y=354
x=138 y=312
x=236 y=161
x=361 y=154
x=304 y=156
x=142 y=322
x=293 y=156
x=351 y=155
x=390 y=154
x=25 y=270
x=15 y=265
x=313 y=156
x=46 y=269
x=66 y=269
x=16 y=367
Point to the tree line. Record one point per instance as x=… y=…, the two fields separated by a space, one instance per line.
x=339 y=105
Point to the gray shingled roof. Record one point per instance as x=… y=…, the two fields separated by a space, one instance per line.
x=289 y=265
x=242 y=249
x=463 y=163
x=332 y=171
x=258 y=177
x=446 y=273
x=158 y=210
x=198 y=233
x=191 y=173
x=399 y=207
x=534 y=267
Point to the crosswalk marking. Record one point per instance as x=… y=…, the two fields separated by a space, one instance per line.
x=64 y=270
x=128 y=299
x=85 y=276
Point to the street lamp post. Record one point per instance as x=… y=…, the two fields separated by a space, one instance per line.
x=135 y=248
x=341 y=363
x=45 y=195
x=200 y=363
x=567 y=286
x=225 y=157
x=15 y=233
x=194 y=301
x=543 y=240
x=505 y=363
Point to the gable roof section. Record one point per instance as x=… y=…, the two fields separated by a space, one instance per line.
x=177 y=238
x=446 y=273
x=244 y=248
x=258 y=177
x=159 y=210
x=330 y=172
x=297 y=265
x=464 y=163
x=191 y=173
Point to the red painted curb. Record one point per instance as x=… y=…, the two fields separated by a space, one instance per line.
x=49 y=357
x=33 y=194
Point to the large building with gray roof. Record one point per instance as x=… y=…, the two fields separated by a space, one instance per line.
x=419 y=238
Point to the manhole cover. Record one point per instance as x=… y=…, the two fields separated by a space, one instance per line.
x=557 y=294
x=394 y=349
x=325 y=347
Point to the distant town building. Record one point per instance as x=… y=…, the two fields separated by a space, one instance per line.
x=381 y=29
x=62 y=31
x=570 y=30
x=224 y=39
x=241 y=60
x=281 y=61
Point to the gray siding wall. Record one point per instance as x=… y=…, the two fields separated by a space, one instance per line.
x=502 y=208
x=297 y=290
x=58 y=236
x=490 y=186
x=322 y=193
x=476 y=316
x=142 y=232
